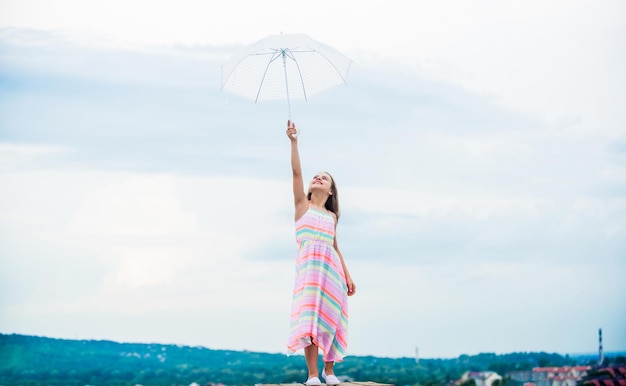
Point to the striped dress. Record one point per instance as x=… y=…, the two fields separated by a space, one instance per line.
x=319 y=310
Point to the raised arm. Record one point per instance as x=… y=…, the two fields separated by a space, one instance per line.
x=299 y=197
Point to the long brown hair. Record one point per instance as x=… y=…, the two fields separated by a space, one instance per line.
x=332 y=202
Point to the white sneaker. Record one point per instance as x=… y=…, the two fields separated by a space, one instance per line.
x=313 y=381
x=331 y=380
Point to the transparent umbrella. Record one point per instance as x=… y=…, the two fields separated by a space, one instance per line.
x=285 y=66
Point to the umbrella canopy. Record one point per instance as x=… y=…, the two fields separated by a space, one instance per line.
x=285 y=66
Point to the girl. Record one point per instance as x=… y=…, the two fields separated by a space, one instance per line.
x=319 y=313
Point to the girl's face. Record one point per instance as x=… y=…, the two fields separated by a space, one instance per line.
x=321 y=181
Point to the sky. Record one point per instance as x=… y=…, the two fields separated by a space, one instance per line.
x=479 y=149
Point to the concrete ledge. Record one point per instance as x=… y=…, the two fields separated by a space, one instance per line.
x=368 y=383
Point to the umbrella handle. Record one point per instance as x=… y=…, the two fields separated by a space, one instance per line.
x=297 y=134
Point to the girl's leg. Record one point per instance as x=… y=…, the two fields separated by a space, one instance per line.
x=329 y=374
x=329 y=368
x=311 y=356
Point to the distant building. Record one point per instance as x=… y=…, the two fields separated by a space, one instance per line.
x=607 y=376
x=482 y=378
x=549 y=376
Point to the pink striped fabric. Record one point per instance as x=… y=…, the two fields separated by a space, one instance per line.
x=319 y=309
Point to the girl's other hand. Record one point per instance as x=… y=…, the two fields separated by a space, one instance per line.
x=351 y=286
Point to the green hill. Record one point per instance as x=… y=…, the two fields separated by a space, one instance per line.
x=31 y=360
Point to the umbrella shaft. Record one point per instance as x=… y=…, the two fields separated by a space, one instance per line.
x=284 y=54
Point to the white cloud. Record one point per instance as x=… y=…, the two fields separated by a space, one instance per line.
x=132 y=205
x=425 y=202
x=17 y=156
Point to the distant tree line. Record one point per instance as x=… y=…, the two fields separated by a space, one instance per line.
x=33 y=361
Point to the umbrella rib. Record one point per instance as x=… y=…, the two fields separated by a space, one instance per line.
x=269 y=62
x=224 y=82
x=299 y=72
x=332 y=65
